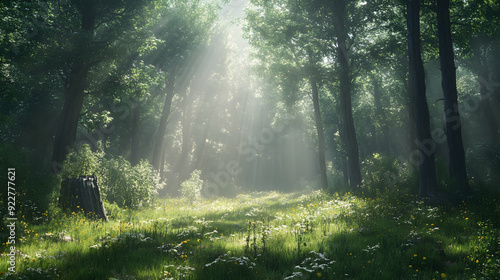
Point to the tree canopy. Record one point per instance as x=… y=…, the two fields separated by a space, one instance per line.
x=314 y=93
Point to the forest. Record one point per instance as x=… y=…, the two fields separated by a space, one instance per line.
x=250 y=139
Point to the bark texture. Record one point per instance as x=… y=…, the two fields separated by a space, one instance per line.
x=75 y=90
x=321 y=136
x=82 y=194
x=157 y=161
x=456 y=164
x=350 y=140
x=424 y=155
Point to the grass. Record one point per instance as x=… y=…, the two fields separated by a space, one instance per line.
x=267 y=235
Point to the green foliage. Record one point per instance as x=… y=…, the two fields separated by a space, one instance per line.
x=336 y=182
x=120 y=182
x=83 y=161
x=191 y=189
x=33 y=183
x=127 y=186
x=381 y=173
x=483 y=161
x=112 y=210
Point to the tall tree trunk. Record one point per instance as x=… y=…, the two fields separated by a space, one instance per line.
x=448 y=74
x=183 y=164
x=425 y=157
x=321 y=136
x=373 y=148
x=378 y=112
x=134 y=143
x=158 y=151
x=345 y=169
x=486 y=90
x=350 y=139
x=68 y=121
x=199 y=154
x=489 y=116
x=74 y=94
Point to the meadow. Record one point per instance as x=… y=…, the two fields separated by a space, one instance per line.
x=266 y=235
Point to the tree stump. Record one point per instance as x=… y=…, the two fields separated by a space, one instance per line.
x=82 y=194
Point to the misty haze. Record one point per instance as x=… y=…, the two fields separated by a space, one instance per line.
x=250 y=139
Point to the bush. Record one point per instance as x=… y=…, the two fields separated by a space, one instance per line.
x=191 y=189
x=119 y=182
x=113 y=211
x=336 y=182
x=127 y=186
x=483 y=160
x=83 y=162
x=381 y=173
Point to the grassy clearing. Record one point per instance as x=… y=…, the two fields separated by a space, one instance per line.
x=267 y=235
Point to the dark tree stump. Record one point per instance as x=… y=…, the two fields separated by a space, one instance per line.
x=82 y=194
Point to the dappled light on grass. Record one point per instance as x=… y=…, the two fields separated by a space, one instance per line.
x=267 y=235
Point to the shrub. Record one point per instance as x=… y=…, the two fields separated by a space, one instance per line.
x=483 y=160
x=336 y=182
x=381 y=173
x=191 y=189
x=128 y=186
x=119 y=182
x=83 y=161
x=113 y=211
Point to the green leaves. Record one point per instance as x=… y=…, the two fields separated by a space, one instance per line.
x=127 y=186
x=120 y=182
x=191 y=189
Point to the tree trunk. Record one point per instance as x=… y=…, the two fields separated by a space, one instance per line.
x=183 y=165
x=378 y=112
x=412 y=125
x=199 y=154
x=68 y=121
x=425 y=154
x=82 y=194
x=351 y=142
x=75 y=91
x=345 y=169
x=162 y=127
x=448 y=73
x=135 y=138
x=321 y=136
x=488 y=114
x=486 y=90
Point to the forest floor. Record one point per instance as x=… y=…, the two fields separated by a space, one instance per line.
x=266 y=235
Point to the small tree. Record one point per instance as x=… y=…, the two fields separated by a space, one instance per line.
x=191 y=189
x=130 y=186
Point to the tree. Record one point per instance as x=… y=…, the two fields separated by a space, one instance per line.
x=339 y=13
x=28 y=81
x=425 y=153
x=158 y=153
x=183 y=27
x=292 y=54
x=319 y=127
x=476 y=36
x=456 y=163
x=98 y=30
